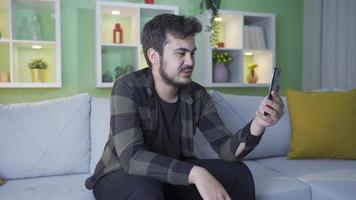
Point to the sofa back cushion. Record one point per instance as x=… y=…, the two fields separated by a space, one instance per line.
x=99 y=128
x=45 y=138
x=236 y=111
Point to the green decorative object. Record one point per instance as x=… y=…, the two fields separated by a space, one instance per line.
x=213 y=6
x=222 y=57
x=122 y=70
x=38 y=64
x=38 y=67
x=107 y=77
x=118 y=71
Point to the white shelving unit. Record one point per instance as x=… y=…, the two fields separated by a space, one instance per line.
x=235 y=32
x=18 y=43
x=126 y=56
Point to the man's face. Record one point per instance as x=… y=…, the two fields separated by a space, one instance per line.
x=177 y=61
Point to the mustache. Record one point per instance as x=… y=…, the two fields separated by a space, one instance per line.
x=186 y=68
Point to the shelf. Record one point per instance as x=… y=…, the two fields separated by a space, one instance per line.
x=33 y=20
x=121 y=57
x=4 y=40
x=234 y=68
x=30 y=85
x=23 y=54
x=255 y=46
x=4 y=20
x=128 y=20
x=229 y=30
x=32 y=32
x=264 y=60
x=117 y=61
x=4 y=63
x=118 y=45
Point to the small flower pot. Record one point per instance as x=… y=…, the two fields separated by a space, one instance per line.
x=38 y=75
x=4 y=77
x=221 y=73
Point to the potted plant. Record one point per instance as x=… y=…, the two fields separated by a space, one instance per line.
x=213 y=6
x=38 y=67
x=220 y=60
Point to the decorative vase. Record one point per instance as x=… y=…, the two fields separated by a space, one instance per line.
x=221 y=44
x=117 y=29
x=221 y=73
x=252 y=77
x=38 y=75
x=35 y=29
x=4 y=77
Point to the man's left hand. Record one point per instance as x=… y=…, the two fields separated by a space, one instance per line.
x=274 y=108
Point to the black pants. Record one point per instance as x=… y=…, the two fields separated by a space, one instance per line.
x=234 y=176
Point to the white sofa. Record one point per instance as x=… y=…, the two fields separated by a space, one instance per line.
x=49 y=148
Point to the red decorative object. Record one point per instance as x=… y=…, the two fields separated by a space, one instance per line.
x=221 y=44
x=149 y=1
x=119 y=30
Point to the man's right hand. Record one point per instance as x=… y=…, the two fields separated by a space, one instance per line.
x=209 y=188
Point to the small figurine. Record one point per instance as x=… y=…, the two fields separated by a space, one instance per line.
x=119 y=30
x=35 y=28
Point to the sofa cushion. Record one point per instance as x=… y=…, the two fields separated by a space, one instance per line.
x=99 y=128
x=45 y=138
x=68 y=187
x=272 y=185
x=323 y=124
x=236 y=111
x=329 y=179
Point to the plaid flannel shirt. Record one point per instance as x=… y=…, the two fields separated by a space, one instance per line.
x=134 y=113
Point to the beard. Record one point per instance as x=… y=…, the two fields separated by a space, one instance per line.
x=169 y=80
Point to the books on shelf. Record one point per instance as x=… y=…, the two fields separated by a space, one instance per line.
x=254 y=38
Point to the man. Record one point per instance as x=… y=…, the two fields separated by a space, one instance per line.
x=154 y=115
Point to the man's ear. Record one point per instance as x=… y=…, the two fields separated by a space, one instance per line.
x=153 y=56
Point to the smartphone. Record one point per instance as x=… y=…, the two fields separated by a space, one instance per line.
x=274 y=85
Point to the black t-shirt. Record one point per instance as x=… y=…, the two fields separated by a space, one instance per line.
x=166 y=140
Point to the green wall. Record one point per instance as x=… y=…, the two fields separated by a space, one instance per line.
x=78 y=46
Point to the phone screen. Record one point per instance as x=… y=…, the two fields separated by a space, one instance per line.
x=274 y=86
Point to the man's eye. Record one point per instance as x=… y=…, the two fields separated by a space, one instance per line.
x=181 y=54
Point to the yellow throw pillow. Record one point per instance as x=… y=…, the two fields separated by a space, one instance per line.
x=323 y=124
x=2 y=181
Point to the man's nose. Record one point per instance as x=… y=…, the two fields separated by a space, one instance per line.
x=189 y=59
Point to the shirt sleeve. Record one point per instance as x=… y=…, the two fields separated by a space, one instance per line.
x=129 y=143
x=220 y=138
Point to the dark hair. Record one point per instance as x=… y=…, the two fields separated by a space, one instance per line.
x=155 y=31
